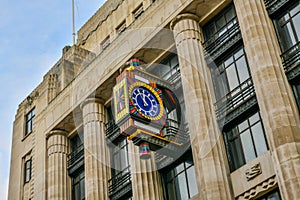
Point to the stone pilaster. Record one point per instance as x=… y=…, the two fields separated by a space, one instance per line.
x=57 y=150
x=206 y=139
x=275 y=98
x=95 y=152
x=146 y=181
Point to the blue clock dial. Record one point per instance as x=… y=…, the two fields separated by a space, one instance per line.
x=145 y=102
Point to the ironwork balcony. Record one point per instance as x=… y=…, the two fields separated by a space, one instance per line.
x=112 y=131
x=275 y=5
x=291 y=62
x=236 y=103
x=120 y=184
x=75 y=159
x=174 y=132
x=222 y=40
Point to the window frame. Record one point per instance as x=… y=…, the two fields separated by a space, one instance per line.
x=182 y=161
x=211 y=37
x=138 y=11
x=105 y=43
x=81 y=180
x=220 y=76
x=121 y=27
x=27 y=170
x=279 y=27
x=29 y=117
x=232 y=142
x=116 y=154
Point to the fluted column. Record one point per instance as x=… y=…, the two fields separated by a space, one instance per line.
x=57 y=150
x=206 y=139
x=146 y=181
x=275 y=98
x=95 y=152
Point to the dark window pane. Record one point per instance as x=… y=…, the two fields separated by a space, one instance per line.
x=29 y=121
x=192 y=181
x=248 y=147
x=245 y=142
x=237 y=153
x=232 y=77
x=171 y=190
x=180 y=168
x=183 y=193
x=242 y=69
x=254 y=118
x=259 y=139
x=180 y=180
x=296 y=21
x=242 y=126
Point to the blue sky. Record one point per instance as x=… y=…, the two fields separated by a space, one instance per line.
x=32 y=35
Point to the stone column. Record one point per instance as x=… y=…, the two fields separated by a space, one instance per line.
x=206 y=139
x=146 y=181
x=95 y=150
x=57 y=150
x=274 y=95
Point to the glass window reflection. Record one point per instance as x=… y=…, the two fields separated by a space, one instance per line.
x=180 y=180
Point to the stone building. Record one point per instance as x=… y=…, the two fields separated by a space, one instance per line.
x=235 y=68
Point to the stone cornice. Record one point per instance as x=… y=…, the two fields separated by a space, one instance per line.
x=96 y=20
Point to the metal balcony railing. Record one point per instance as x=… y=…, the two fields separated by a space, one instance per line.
x=291 y=61
x=275 y=5
x=224 y=39
x=175 y=77
x=236 y=102
x=75 y=158
x=174 y=132
x=120 y=184
x=112 y=130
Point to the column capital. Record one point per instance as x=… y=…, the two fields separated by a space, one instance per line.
x=91 y=100
x=182 y=17
x=57 y=132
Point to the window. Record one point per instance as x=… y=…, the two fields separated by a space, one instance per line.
x=274 y=195
x=27 y=171
x=288 y=27
x=245 y=142
x=230 y=73
x=221 y=27
x=120 y=183
x=105 y=43
x=29 y=121
x=78 y=186
x=179 y=181
x=76 y=156
x=296 y=90
x=168 y=69
x=121 y=28
x=120 y=157
x=138 y=11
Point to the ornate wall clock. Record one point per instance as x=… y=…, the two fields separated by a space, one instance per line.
x=146 y=100
x=140 y=101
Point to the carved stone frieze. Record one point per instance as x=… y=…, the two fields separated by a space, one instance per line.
x=253 y=172
x=262 y=187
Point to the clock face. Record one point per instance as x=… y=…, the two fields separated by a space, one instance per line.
x=147 y=101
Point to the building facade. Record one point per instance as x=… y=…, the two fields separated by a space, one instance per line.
x=235 y=70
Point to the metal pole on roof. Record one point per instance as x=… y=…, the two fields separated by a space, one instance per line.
x=73 y=22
